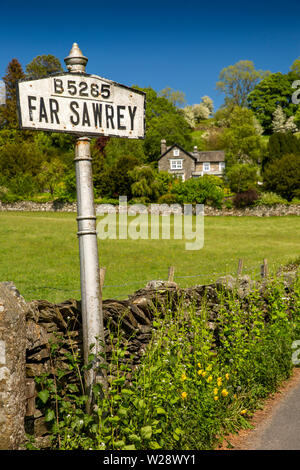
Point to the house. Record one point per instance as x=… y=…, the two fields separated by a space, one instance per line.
x=180 y=162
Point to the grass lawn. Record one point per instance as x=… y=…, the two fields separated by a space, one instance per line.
x=39 y=253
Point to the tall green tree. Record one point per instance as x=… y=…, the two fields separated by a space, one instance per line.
x=43 y=65
x=242 y=177
x=8 y=116
x=241 y=140
x=283 y=176
x=163 y=121
x=238 y=80
x=176 y=97
x=145 y=183
x=295 y=67
x=273 y=91
x=280 y=144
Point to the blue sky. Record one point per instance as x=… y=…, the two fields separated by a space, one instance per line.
x=183 y=45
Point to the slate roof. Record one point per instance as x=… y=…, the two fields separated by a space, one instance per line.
x=190 y=154
x=205 y=156
x=210 y=156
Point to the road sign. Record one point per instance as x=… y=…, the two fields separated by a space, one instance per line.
x=82 y=104
x=85 y=105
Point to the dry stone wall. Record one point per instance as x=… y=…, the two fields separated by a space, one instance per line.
x=259 y=211
x=34 y=326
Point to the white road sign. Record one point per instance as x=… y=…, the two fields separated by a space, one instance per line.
x=81 y=104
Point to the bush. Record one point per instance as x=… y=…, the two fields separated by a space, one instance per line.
x=198 y=191
x=295 y=200
x=283 y=176
x=184 y=378
x=270 y=199
x=228 y=204
x=242 y=177
x=245 y=199
x=23 y=185
x=107 y=200
x=167 y=199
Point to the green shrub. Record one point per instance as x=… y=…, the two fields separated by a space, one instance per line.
x=167 y=198
x=295 y=200
x=270 y=199
x=198 y=191
x=282 y=176
x=242 y=177
x=107 y=200
x=228 y=204
x=194 y=384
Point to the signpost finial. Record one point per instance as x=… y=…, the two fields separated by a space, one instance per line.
x=76 y=61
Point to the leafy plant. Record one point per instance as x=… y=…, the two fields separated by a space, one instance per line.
x=195 y=383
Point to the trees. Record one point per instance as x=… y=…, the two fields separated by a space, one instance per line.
x=163 y=121
x=51 y=174
x=281 y=123
x=202 y=190
x=241 y=139
x=8 y=116
x=113 y=179
x=295 y=67
x=242 y=177
x=145 y=183
x=171 y=127
x=280 y=144
x=273 y=91
x=282 y=176
x=197 y=112
x=43 y=65
x=238 y=80
x=176 y=97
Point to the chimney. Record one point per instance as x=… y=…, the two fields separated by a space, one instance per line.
x=163 y=146
x=195 y=149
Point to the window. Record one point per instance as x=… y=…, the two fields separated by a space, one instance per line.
x=206 y=166
x=176 y=164
x=221 y=166
x=176 y=152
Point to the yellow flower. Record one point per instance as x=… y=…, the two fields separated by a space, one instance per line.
x=184 y=395
x=224 y=392
x=216 y=391
x=219 y=381
x=227 y=376
x=243 y=412
x=183 y=377
x=203 y=373
x=209 y=367
x=200 y=372
x=199 y=365
x=234 y=396
x=216 y=398
x=209 y=379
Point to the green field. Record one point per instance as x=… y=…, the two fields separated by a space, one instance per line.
x=39 y=253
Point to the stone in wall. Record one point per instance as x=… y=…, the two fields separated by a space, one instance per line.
x=12 y=367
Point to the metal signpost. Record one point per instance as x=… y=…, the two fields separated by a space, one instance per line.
x=85 y=105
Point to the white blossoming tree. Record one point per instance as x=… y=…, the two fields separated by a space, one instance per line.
x=281 y=123
x=197 y=112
